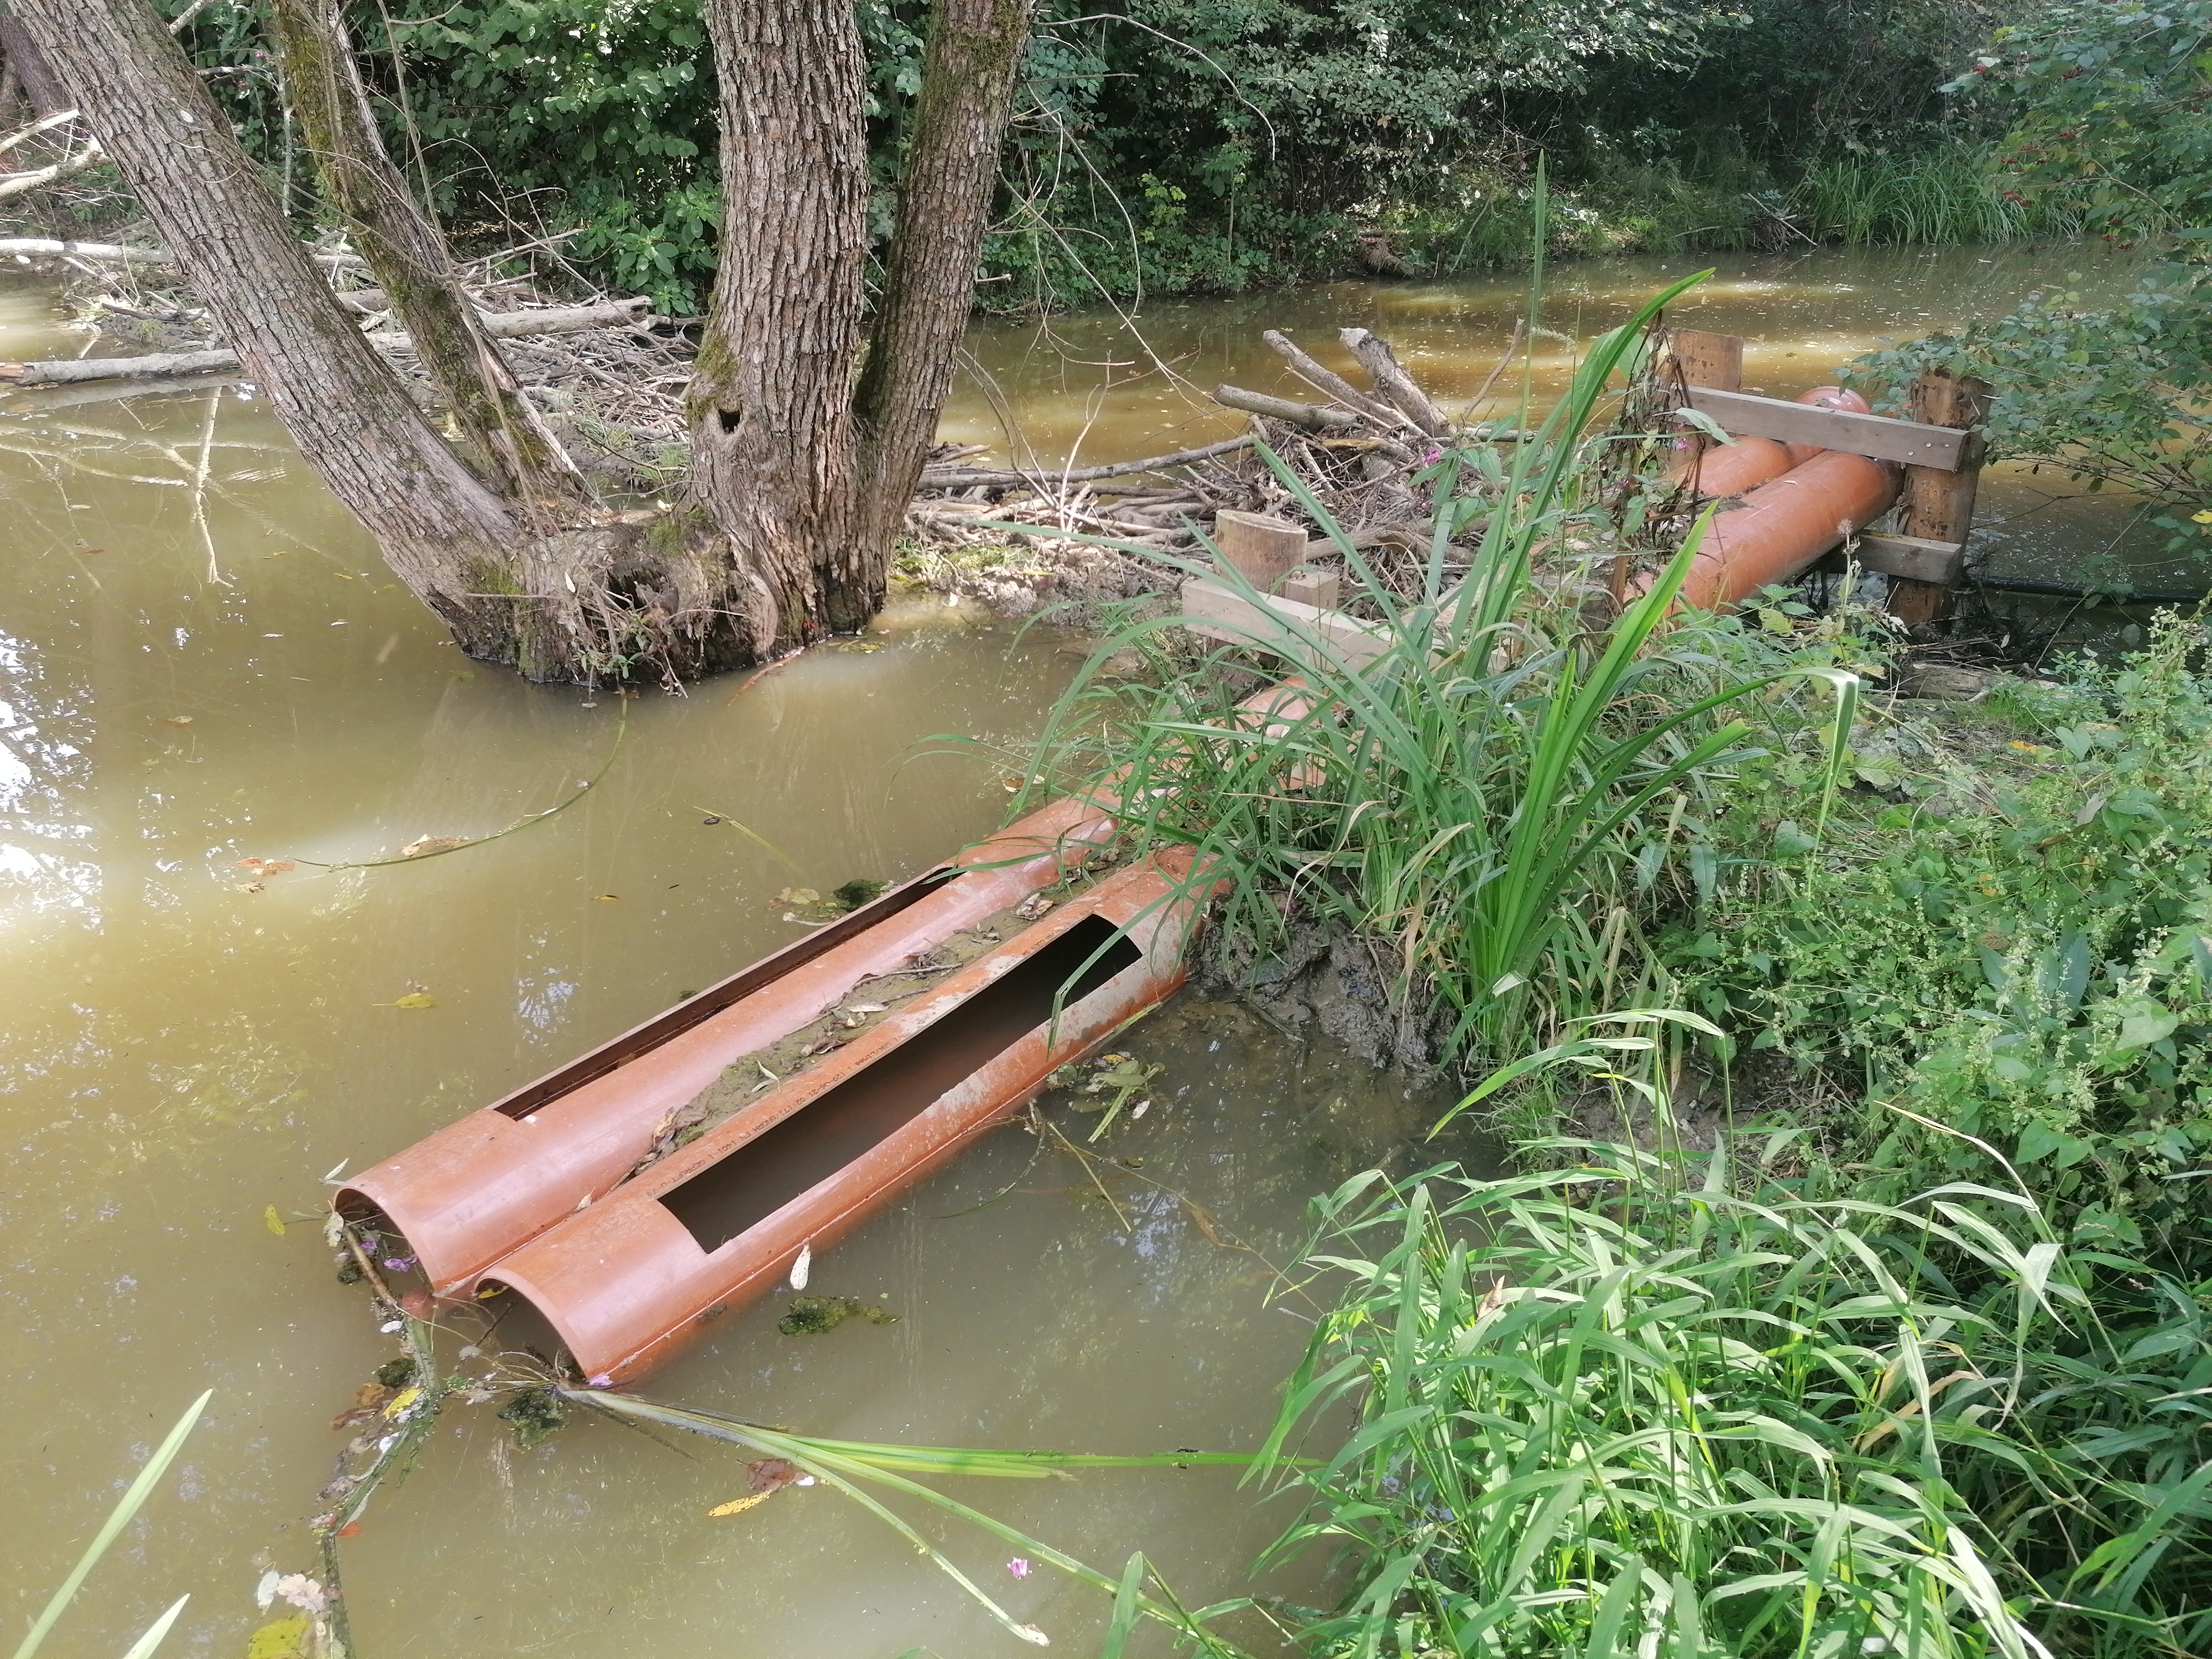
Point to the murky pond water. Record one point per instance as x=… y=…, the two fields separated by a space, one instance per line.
x=189 y=682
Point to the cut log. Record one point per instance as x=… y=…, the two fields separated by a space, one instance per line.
x=160 y=365
x=552 y=319
x=1261 y=548
x=1393 y=382
x=45 y=247
x=1330 y=382
x=1312 y=416
x=1045 y=477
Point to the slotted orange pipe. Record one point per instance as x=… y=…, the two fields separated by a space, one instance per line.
x=630 y=1281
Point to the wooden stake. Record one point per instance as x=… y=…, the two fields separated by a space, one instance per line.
x=1710 y=360
x=1937 y=505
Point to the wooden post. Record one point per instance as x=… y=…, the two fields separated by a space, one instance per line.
x=1937 y=505
x=1713 y=360
x=1261 y=547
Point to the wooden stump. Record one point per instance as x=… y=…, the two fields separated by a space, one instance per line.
x=1263 y=549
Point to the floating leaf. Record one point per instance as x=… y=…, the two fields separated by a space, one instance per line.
x=426 y=845
x=416 y=999
x=274 y=1222
x=605 y=898
x=402 y=1400
x=178 y=719
x=282 y=1639
x=739 y=1506
x=799 y=896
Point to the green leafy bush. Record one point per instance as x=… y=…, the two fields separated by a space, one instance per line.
x=2032 y=969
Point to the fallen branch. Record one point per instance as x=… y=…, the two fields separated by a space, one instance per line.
x=18 y=183
x=1393 y=382
x=966 y=477
x=501 y=326
x=1328 y=382
x=69 y=371
x=45 y=248
x=1311 y=416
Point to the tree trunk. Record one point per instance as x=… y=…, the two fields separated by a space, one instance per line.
x=518 y=454
x=451 y=538
x=970 y=65
x=772 y=452
x=33 y=77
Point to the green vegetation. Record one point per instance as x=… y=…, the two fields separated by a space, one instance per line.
x=1634 y=1407
x=1169 y=146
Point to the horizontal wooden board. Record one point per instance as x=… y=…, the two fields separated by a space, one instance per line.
x=1914 y=558
x=1742 y=416
x=1219 y=613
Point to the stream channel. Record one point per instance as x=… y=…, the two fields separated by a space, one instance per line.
x=190 y=1044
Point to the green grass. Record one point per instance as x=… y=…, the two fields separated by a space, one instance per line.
x=1492 y=797
x=1599 y=1411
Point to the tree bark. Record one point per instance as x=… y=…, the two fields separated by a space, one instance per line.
x=970 y=63
x=521 y=457
x=33 y=76
x=455 y=542
x=773 y=461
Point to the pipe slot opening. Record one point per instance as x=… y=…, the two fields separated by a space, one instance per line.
x=760 y=1177
x=696 y=1011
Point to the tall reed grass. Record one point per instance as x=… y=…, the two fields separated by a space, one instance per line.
x=1598 y=1412
x=1492 y=795
x=1944 y=195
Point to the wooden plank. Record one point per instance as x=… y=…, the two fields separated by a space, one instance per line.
x=1218 y=614
x=1913 y=558
x=1742 y=416
x=1711 y=360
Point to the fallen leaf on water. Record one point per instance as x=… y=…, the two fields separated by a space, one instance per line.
x=799 y=1267
x=739 y=1506
x=247 y=887
x=277 y=866
x=799 y=896
x=427 y=844
x=282 y=1639
x=369 y=1400
x=400 y=1401
x=178 y=719
x=274 y=1222
x=602 y=898
x=414 y=999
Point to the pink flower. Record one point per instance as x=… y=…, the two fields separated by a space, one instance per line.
x=602 y=1381
x=1018 y=1567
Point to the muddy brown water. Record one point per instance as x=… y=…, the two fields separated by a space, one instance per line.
x=187 y=682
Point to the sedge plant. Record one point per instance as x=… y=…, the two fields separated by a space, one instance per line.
x=1488 y=787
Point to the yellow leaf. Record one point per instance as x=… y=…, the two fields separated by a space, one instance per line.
x=274 y=1222
x=416 y=999
x=604 y=897
x=2201 y=518
x=739 y=1506
x=288 y=1637
x=402 y=1400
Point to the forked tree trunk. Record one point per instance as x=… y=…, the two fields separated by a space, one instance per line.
x=517 y=453
x=803 y=458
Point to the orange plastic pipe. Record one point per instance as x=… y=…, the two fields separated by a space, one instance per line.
x=1731 y=469
x=470 y=1192
x=1783 y=526
x=627 y=1282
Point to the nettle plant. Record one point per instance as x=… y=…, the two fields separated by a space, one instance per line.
x=2033 y=972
